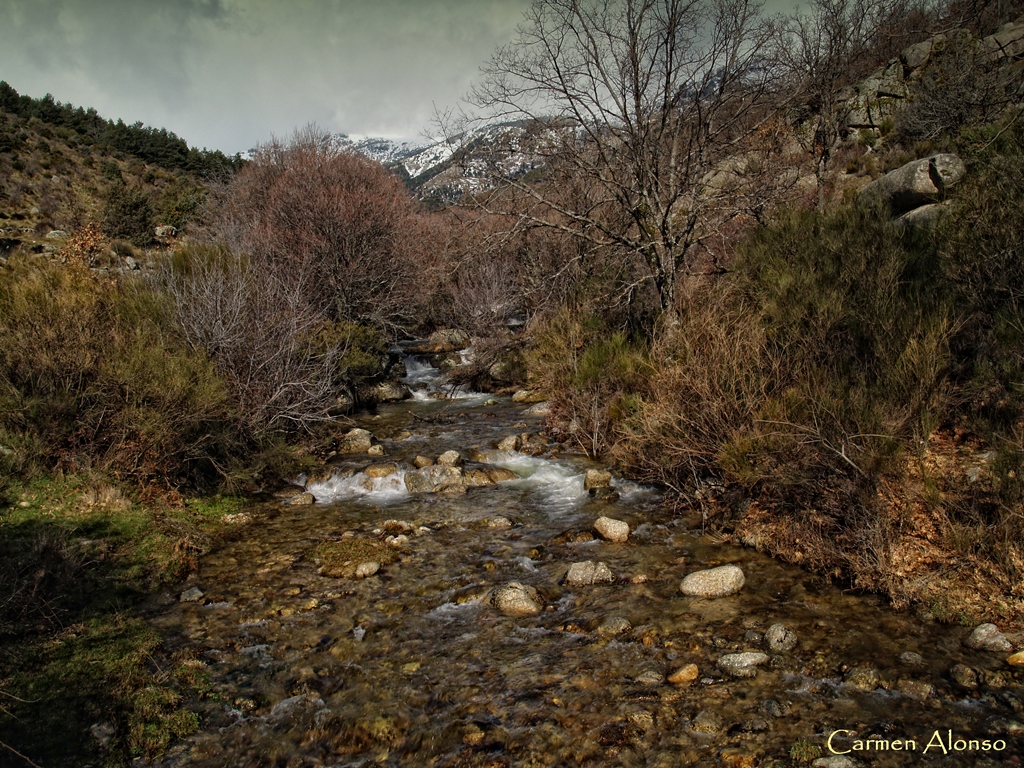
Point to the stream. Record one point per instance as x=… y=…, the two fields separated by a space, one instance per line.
x=412 y=663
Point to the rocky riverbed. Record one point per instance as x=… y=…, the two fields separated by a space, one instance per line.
x=431 y=598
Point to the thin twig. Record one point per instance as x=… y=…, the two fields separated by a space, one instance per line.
x=12 y=749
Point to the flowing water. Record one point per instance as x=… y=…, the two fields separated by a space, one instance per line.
x=414 y=666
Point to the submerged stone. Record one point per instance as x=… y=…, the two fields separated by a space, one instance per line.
x=780 y=638
x=685 y=675
x=742 y=664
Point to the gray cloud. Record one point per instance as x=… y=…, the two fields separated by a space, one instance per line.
x=230 y=73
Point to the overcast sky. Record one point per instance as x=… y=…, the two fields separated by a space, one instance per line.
x=227 y=74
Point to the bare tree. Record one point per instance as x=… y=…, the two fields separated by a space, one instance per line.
x=653 y=105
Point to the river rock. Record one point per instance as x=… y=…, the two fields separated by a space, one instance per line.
x=422 y=461
x=597 y=478
x=713 y=582
x=477 y=477
x=301 y=500
x=510 y=443
x=917 y=689
x=863 y=678
x=588 y=572
x=527 y=396
x=191 y=595
x=612 y=529
x=538 y=409
x=911 y=659
x=450 y=459
x=685 y=675
x=834 y=761
x=773 y=708
x=369 y=568
x=614 y=625
x=515 y=599
x=435 y=479
x=500 y=474
x=742 y=664
x=987 y=637
x=780 y=638
x=499 y=523
x=355 y=441
x=381 y=470
x=1016 y=659
x=375 y=450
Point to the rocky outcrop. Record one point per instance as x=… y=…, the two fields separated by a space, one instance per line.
x=883 y=93
x=918 y=183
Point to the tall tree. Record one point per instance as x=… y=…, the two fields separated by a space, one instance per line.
x=648 y=109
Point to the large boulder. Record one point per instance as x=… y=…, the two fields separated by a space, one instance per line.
x=713 y=582
x=384 y=392
x=1007 y=42
x=917 y=183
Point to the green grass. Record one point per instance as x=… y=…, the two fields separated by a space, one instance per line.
x=76 y=555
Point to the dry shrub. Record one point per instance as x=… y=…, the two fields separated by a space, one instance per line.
x=90 y=375
x=332 y=222
x=83 y=246
x=710 y=387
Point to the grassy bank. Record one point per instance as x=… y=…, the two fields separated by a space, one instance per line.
x=83 y=680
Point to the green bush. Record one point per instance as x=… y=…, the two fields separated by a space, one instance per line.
x=179 y=202
x=128 y=215
x=91 y=374
x=596 y=375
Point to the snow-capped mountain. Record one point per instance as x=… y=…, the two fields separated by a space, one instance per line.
x=446 y=170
